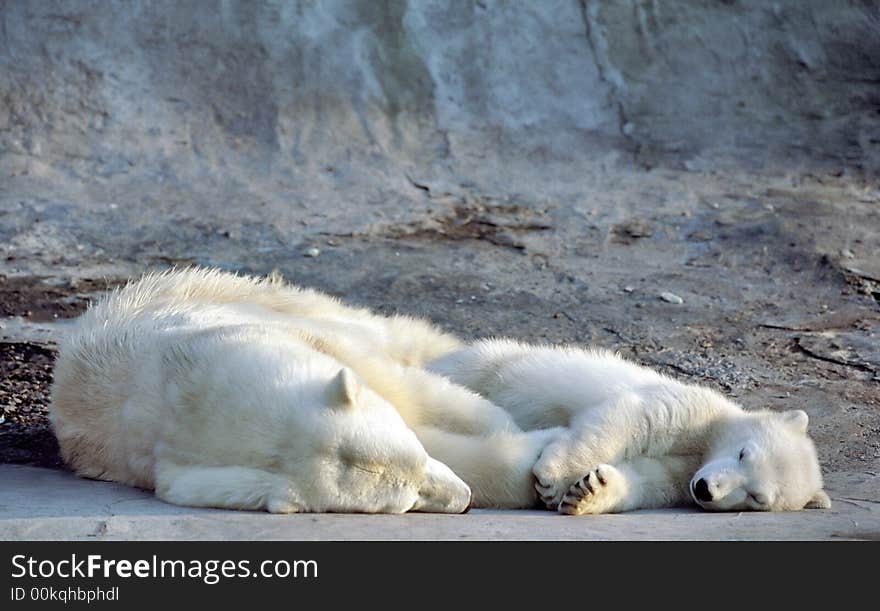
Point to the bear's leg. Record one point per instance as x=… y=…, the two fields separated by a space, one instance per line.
x=565 y=460
x=605 y=433
x=497 y=467
x=447 y=406
x=640 y=483
x=225 y=487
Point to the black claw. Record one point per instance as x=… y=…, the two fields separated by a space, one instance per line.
x=568 y=508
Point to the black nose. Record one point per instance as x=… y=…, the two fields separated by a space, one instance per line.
x=701 y=491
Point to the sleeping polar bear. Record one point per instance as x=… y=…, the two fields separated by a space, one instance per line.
x=225 y=391
x=637 y=439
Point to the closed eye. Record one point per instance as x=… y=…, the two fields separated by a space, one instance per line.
x=375 y=471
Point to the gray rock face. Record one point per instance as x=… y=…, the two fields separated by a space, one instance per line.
x=102 y=88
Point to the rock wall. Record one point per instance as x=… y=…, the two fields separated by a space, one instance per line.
x=191 y=89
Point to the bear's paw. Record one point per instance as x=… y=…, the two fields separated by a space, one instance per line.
x=600 y=491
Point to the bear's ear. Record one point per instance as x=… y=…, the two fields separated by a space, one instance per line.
x=797 y=419
x=820 y=500
x=343 y=389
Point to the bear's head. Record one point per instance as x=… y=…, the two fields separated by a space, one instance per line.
x=762 y=461
x=360 y=456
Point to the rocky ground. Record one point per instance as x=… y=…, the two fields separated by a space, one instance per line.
x=764 y=287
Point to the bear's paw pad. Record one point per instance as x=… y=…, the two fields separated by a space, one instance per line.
x=550 y=488
x=599 y=491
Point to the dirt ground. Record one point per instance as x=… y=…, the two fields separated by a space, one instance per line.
x=764 y=287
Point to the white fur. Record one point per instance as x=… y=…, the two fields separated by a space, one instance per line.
x=227 y=391
x=641 y=438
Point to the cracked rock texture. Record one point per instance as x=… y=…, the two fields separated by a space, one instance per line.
x=545 y=170
x=195 y=90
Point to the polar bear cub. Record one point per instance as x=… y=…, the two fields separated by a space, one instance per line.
x=638 y=439
x=226 y=391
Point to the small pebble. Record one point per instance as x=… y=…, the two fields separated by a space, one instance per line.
x=628 y=289
x=312 y=252
x=847 y=253
x=671 y=297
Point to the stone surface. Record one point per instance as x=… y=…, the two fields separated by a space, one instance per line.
x=40 y=504
x=264 y=90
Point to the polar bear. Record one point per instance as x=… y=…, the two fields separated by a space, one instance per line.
x=226 y=391
x=643 y=439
